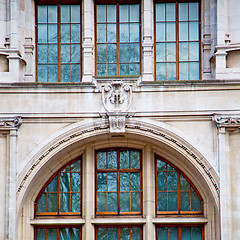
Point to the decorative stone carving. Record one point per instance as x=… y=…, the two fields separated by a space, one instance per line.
x=9 y=123
x=227 y=121
x=117 y=123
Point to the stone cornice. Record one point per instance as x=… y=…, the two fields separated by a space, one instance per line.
x=227 y=121
x=10 y=123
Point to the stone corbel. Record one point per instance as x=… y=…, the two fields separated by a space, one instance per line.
x=10 y=123
x=229 y=122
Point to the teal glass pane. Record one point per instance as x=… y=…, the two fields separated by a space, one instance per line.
x=112 y=53
x=52 y=13
x=75 y=166
x=183 y=71
x=134 y=32
x=101 y=182
x=195 y=202
x=186 y=233
x=52 y=33
x=170 y=168
x=125 y=202
x=75 y=33
x=124 y=53
x=125 y=233
x=75 y=182
x=161 y=71
x=184 y=184
x=42 y=53
x=112 y=202
x=183 y=11
x=123 y=13
x=51 y=234
x=183 y=31
x=160 y=32
x=42 y=73
x=171 y=31
x=170 y=12
x=135 y=201
x=134 y=69
x=101 y=202
x=112 y=69
x=193 y=31
x=196 y=233
x=112 y=181
x=101 y=33
x=173 y=233
x=185 y=201
x=160 y=11
x=65 y=53
x=161 y=181
x=65 y=73
x=75 y=233
x=162 y=201
x=75 y=53
x=112 y=159
x=75 y=13
x=193 y=11
x=52 y=73
x=111 y=13
x=124 y=32
x=124 y=159
x=171 y=52
x=135 y=159
x=124 y=181
x=65 y=33
x=42 y=13
x=41 y=234
x=135 y=233
x=101 y=69
x=52 y=53
x=101 y=13
x=65 y=200
x=160 y=52
x=172 y=201
x=161 y=165
x=135 y=181
x=172 y=181
x=64 y=234
x=194 y=71
x=134 y=13
x=112 y=233
x=162 y=233
x=65 y=14
x=183 y=51
x=101 y=53
x=111 y=33
x=52 y=202
x=102 y=233
x=42 y=33
x=193 y=51
x=42 y=203
x=171 y=71
x=124 y=69
x=65 y=182
x=66 y=169
x=134 y=52
x=75 y=202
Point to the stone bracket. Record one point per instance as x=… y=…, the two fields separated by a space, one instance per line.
x=225 y=121
x=10 y=123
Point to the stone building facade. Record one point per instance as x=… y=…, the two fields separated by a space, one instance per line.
x=191 y=124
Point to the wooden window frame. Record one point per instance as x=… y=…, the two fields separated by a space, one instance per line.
x=118 y=170
x=58 y=227
x=118 y=229
x=58 y=3
x=59 y=213
x=177 y=37
x=179 y=212
x=117 y=3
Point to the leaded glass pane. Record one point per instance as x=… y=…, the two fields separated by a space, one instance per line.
x=42 y=73
x=42 y=33
x=75 y=202
x=101 y=160
x=52 y=14
x=102 y=234
x=65 y=200
x=160 y=32
x=193 y=11
x=135 y=201
x=112 y=202
x=52 y=33
x=183 y=11
x=41 y=233
x=112 y=181
x=51 y=234
x=124 y=181
x=161 y=71
x=183 y=71
x=170 y=12
x=112 y=233
x=124 y=202
x=65 y=33
x=125 y=233
x=134 y=52
x=101 y=202
x=75 y=33
x=186 y=233
x=162 y=201
x=123 y=13
x=75 y=233
x=160 y=12
x=112 y=159
x=135 y=159
x=101 y=182
x=111 y=13
x=124 y=32
x=75 y=13
x=42 y=14
x=196 y=233
x=172 y=201
x=173 y=233
x=101 y=13
x=65 y=13
x=163 y=233
x=124 y=52
x=64 y=234
x=195 y=202
x=42 y=53
x=194 y=71
x=185 y=201
x=124 y=159
x=42 y=203
x=52 y=200
x=52 y=53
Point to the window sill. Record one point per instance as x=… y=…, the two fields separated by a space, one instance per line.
x=57 y=221
x=118 y=220
x=190 y=220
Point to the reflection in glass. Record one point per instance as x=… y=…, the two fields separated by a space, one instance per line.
x=42 y=53
x=101 y=13
x=193 y=11
x=52 y=14
x=51 y=234
x=183 y=11
x=170 y=12
x=160 y=32
x=124 y=202
x=183 y=71
x=42 y=14
x=123 y=13
x=160 y=12
x=111 y=13
x=101 y=202
x=124 y=32
x=65 y=13
x=171 y=71
x=197 y=233
x=135 y=159
x=75 y=13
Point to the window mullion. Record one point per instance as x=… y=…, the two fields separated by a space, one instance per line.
x=178 y=192
x=118 y=182
x=58 y=192
x=177 y=42
x=118 y=44
x=59 y=41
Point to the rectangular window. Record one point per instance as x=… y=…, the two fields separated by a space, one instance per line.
x=117 y=39
x=177 y=38
x=118 y=182
x=58 y=38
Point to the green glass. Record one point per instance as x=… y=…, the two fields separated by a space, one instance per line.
x=134 y=13
x=112 y=233
x=162 y=233
x=65 y=182
x=51 y=234
x=75 y=53
x=42 y=203
x=102 y=233
x=41 y=233
x=195 y=202
x=135 y=233
x=196 y=233
x=135 y=201
x=183 y=71
x=194 y=70
x=111 y=13
x=125 y=202
x=64 y=234
x=161 y=71
x=170 y=11
x=185 y=201
x=172 y=181
x=42 y=73
x=173 y=233
x=184 y=184
x=123 y=13
x=134 y=52
x=124 y=181
x=160 y=11
x=112 y=159
x=125 y=233
x=52 y=202
x=75 y=233
x=193 y=11
x=171 y=71
x=101 y=53
x=112 y=53
x=172 y=201
x=65 y=13
x=75 y=182
x=75 y=33
x=135 y=159
x=75 y=166
x=135 y=181
x=124 y=32
x=101 y=33
x=101 y=160
x=52 y=73
x=65 y=33
x=42 y=53
x=75 y=73
x=52 y=13
x=75 y=13
x=186 y=233
x=124 y=52
x=161 y=165
x=42 y=33
x=101 y=202
x=75 y=202
x=101 y=13
x=183 y=11
x=124 y=159
x=134 y=32
x=160 y=32
x=42 y=13
x=112 y=202
x=112 y=181
x=52 y=33
x=65 y=53
x=101 y=182
x=162 y=201
x=64 y=203
x=161 y=181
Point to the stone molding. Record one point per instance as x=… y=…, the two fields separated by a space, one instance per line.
x=227 y=121
x=10 y=123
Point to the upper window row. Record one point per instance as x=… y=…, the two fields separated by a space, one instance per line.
x=177 y=51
